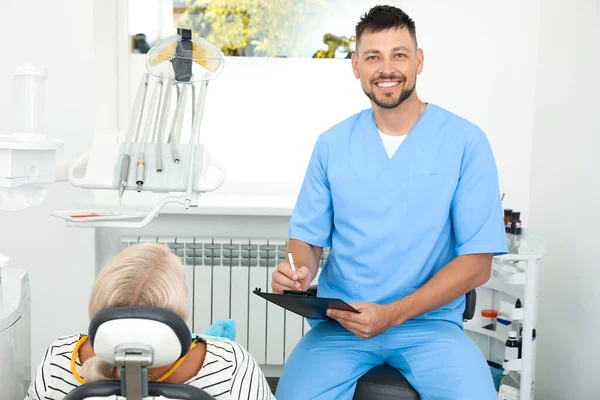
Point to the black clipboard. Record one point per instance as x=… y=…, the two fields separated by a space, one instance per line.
x=305 y=303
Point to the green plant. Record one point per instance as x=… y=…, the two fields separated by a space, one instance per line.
x=267 y=28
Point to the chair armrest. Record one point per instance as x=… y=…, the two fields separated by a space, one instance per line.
x=177 y=391
x=98 y=389
x=113 y=388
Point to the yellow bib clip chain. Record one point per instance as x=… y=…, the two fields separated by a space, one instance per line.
x=84 y=338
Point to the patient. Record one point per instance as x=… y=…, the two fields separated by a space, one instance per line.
x=148 y=275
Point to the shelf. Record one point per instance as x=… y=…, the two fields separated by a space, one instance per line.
x=216 y=205
x=503 y=286
x=517 y=279
x=473 y=327
x=525 y=246
x=228 y=201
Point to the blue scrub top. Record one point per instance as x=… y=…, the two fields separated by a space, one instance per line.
x=393 y=223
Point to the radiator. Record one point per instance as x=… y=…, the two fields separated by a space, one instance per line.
x=221 y=274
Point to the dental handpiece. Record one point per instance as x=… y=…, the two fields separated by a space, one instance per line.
x=125 y=163
x=134 y=125
x=162 y=124
x=194 y=140
x=141 y=164
x=178 y=121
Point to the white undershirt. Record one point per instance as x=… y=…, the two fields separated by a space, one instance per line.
x=391 y=143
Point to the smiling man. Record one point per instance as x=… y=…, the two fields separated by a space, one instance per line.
x=406 y=195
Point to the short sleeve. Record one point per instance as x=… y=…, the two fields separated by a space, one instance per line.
x=247 y=380
x=476 y=208
x=37 y=389
x=312 y=219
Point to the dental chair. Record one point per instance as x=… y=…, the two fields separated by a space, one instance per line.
x=384 y=382
x=135 y=339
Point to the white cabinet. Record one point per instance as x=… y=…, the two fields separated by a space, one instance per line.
x=515 y=276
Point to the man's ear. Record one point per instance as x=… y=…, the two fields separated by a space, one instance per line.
x=355 y=65
x=420 y=60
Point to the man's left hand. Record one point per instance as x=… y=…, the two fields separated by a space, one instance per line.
x=371 y=320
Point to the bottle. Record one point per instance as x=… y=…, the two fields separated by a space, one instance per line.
x=488 y=320
x=511 y=347
x=507 y=218
x=518 y=303
x=515 y=223
x=516 y=324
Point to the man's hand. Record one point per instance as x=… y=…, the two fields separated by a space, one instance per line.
x=372 y=320
x=284 y=278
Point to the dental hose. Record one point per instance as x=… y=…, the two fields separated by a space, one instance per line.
x=194 y=139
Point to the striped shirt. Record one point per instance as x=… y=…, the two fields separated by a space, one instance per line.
x=228 y=372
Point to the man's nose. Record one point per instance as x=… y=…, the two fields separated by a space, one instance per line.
x=387 y=67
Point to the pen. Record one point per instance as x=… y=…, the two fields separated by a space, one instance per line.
x=292 y=262
x=292 y=265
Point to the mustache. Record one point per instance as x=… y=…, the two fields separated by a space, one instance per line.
x=388 y=77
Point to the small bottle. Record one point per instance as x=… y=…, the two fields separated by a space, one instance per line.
x=518 y=303
x=488 y=320
x=515 y=223
x=516 y=324
x=511 y=347
x=507 y=218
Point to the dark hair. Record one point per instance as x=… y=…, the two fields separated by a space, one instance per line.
x=381 y=18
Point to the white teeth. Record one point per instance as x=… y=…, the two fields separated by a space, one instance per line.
x=387 y=84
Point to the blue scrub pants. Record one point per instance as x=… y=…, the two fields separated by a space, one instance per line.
x=437 y=357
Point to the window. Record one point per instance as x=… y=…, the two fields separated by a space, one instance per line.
x=252 y=28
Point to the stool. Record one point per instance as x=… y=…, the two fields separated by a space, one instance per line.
x=384 y=382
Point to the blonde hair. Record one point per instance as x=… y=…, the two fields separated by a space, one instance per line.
x=145 y=274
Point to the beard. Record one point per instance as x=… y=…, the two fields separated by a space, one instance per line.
x=389 y=102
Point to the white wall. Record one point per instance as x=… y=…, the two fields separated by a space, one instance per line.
x=263 y=115
x=480 y=62
x=565 y=199
x=59 y=36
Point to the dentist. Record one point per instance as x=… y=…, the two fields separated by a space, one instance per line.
x=406 y=196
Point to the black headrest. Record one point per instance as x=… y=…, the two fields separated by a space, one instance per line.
x=113 y=388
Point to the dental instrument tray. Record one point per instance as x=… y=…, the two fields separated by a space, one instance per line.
x=100 y=168
x=305 y=304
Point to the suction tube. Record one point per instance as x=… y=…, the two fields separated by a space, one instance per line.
x=194 y=140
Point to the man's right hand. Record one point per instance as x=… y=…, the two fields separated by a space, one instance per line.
x=284 y=278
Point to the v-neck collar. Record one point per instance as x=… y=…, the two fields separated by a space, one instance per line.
x=377 y=155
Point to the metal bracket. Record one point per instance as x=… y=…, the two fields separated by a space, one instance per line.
x=182 y=62
x=134 y=373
